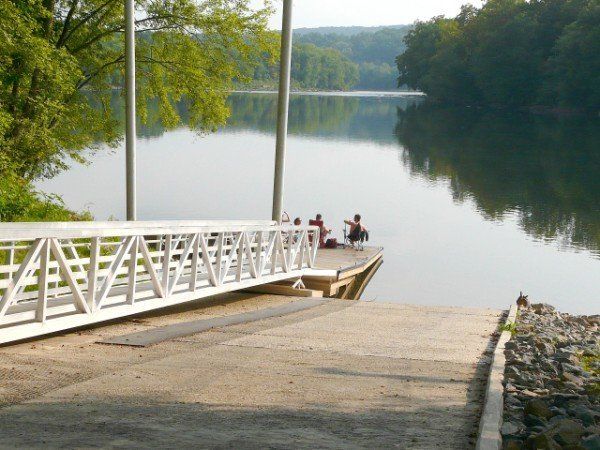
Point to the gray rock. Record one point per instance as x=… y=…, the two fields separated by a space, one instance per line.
x=510 y=428
x=511 y=345
x=510 y=388
x=542 y=308
x=566 y=432
x=511 y=400
x=587 y=416
x=535 y=421
x=542 y=441
x=566 y=358
x=513 y=372
x=560 y=399
x=539 y=408
x=591 y=431
x=557 y=411
x=513 y=444
x=554 y=420
x=570 y=368
x=571 y=378
x=523 y=361
x=545 y=348
x=591 y=442
x=537 y=429
x=526 y=393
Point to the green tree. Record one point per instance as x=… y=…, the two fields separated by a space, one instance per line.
x=376 y=76
x=509 y=53
x=59 y=58
x=422 y=44
x=575 y=77
x=19 y=202
x=314 y=68
x=374 y=52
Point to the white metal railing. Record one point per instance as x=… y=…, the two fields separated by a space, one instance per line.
x=56 y=276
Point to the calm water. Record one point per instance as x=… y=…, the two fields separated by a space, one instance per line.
x=471 y=207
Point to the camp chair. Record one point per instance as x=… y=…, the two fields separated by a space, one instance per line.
x=358 y=240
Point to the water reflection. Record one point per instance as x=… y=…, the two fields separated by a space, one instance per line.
x=544 y=170
x=330 y=117
x=337 y=117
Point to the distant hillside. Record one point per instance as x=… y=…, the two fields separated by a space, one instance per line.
x=341 y=58
x=344 y=31
x=374 y=49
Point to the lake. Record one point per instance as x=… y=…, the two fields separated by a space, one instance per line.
x=472 y=206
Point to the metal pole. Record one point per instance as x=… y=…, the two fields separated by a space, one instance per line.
x=283 y=101
x=130 y=133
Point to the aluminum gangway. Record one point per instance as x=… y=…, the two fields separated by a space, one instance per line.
x=57 y=276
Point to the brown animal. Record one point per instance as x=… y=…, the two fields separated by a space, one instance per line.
x=523 y=300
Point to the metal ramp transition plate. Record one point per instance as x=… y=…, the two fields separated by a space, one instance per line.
x=147 y=338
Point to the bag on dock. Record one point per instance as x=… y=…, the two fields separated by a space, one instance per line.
x=331 y=243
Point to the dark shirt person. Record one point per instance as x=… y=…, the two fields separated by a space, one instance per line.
x=356 y=227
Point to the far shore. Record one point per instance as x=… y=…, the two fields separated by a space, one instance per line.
x=336 y=93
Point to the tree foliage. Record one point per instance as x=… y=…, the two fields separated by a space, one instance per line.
x=341 y=58
x=312 y=68
x=509 y=53
x=60 y=59
x=378 y=47
x=19 y=202
x=322 y=68
x=373 y=50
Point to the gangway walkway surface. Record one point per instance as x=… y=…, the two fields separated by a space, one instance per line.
x=56 y=276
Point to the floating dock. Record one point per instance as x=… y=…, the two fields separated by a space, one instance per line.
x=342 y=273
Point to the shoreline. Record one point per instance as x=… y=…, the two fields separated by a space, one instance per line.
x=379 y=94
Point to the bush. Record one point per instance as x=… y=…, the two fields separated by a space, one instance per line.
x=20 y=202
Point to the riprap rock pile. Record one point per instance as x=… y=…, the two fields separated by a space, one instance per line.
x=552 y=387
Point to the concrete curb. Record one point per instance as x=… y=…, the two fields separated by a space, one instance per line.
x=489 y=437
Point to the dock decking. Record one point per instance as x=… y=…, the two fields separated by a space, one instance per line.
x=344 y=272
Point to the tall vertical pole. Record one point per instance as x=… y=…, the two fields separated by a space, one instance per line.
x=130 y=133
x=283 y=102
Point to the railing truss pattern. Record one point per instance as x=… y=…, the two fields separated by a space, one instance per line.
x=61 y=276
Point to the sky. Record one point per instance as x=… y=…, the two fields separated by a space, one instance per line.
x=319 y=13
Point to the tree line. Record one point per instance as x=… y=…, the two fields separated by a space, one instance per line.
x=313 y=68
x=511 y=53
x=341 y=59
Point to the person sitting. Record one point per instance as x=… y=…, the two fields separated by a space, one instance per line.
x=296 y=234
x=323 y=230
x=357 y=230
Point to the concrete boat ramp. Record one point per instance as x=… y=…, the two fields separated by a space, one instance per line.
x=336 y=374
